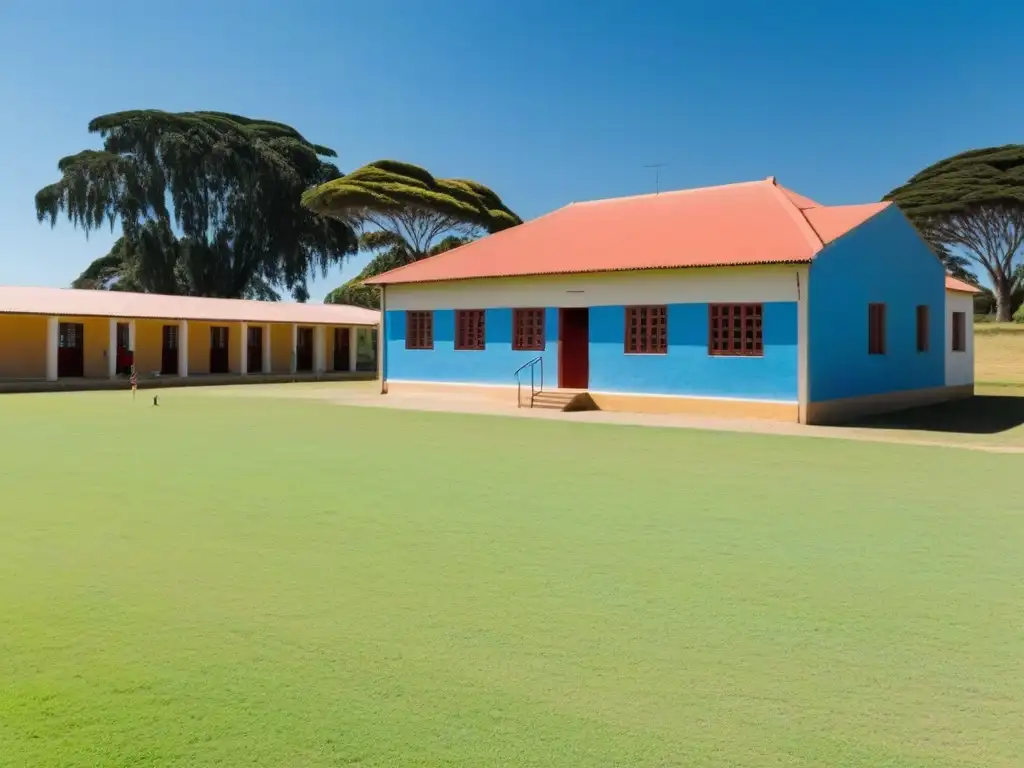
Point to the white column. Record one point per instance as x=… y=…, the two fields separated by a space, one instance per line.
x=318 y=349
x=352 y=338
x=243 y=349
x=131 y=338
x=112 y=349
x=382 y=341
x=267 y=349
x=183 y=348
x=295 y=348
x=802 y=345
x=52 y=342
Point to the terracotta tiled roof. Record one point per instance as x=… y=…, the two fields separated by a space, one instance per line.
x=71 y=303
x=952 y=284
x=756 y=222
x=833 y=221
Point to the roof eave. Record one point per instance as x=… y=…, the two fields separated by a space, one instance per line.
x=380 y=281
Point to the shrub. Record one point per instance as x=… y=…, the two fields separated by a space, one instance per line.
x=1018 y=316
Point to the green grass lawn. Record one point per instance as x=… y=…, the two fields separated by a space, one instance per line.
x=255 y=582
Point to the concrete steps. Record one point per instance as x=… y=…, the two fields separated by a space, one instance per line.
x=563 y=400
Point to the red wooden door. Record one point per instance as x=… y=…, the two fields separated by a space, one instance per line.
x=169 y=351
x=254 y=343
x=71 y=350
x=219 y=355
x=304 y=350
x=574 y=348
x=341 y=347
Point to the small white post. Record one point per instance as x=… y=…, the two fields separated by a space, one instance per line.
x=112 y=349
x=183 y=348
x=243 y=349
x=353 y=337
x=267 y=367
x=295 y=348
x=318 y=349
x=52 y=343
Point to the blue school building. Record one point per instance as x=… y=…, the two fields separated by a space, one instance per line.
x=745 y=300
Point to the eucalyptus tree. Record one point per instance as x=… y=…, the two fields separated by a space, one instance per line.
x=971 y=206
x=208 y=203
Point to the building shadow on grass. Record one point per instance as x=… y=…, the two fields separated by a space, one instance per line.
x=979 y=415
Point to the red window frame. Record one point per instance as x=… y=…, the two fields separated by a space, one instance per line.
x=528 y=330
x=923 y=327
x=736 y=330
x=959 y=335
x=470 y=329
x=419 y=330
x=646 y=330
x=876 y=329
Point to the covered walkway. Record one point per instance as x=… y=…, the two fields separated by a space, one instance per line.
x=80 y=339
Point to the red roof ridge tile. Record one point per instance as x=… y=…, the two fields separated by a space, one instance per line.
x=809 y=232
x=666 y=193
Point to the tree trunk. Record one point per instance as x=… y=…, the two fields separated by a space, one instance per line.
x=1004 y=301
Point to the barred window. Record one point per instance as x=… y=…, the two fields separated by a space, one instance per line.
x=736 y=330
x=646 y=330
x=469 y=329
x=922 y=327
x=70 y=335
x=959 y=332
x=876 y=329
x=528 y=329
x=219 y=337
x=419 y=330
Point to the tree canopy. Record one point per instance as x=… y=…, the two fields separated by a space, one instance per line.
x=406 y=214
x=971 y=206
x=209 y=204
x=390 y=252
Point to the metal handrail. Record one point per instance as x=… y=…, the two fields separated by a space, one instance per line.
x=532 y=365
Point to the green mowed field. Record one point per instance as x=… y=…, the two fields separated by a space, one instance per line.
x=234 y=581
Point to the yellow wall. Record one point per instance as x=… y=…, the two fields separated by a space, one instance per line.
x=281 y=347
x=235 y=341
x=199 y=347
x=328 y=348
x=22 y=346
x=149 y=345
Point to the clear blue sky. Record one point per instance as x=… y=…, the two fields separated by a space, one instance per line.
x=547 y=101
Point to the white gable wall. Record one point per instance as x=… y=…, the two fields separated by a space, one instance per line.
x=959 y=365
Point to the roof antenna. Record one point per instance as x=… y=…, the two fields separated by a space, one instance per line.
x=657 y=175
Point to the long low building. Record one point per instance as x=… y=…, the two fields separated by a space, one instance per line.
x=74 y=336
x=742 y=300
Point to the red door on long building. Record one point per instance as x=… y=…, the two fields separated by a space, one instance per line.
x=254 y=345
x=574 y=348
x=219 y=349
x=169 y=351
x=71 y=351
x=341 y=349
x=304 y=349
